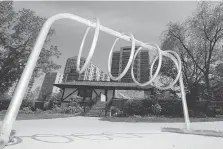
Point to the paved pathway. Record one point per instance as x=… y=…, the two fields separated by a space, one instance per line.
x=85 y=133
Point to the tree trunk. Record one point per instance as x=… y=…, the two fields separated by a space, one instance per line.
x=208 y=98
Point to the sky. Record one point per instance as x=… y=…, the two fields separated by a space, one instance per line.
x=146 y=20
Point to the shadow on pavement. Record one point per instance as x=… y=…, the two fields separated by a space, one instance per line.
x=70 y=138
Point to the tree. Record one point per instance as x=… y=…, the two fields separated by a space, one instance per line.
x=219 y=69
x=198 y=42
x=218 y=83
x=18 y=33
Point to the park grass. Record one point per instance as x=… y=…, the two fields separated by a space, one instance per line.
x=158 y=119
x=135 y=119
x=38 y=116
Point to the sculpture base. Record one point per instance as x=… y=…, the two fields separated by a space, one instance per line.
x=211 y=133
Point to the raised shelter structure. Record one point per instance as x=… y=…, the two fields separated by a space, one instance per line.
x=91 y=89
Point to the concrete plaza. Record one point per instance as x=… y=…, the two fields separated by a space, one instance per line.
x=89 y=132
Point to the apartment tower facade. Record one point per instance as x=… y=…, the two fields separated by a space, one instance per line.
x=47 y=88
x=92 y=72
x=140 y=67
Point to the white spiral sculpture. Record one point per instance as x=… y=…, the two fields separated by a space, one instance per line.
x=129 y=62
x=152 y=78
x=15 y=104
x=93 y=45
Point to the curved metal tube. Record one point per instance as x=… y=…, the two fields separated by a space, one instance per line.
x=92 y=49
x=18 y=96
x=177 y=62
x=129 y=61
x=157 y=70
x=179 y=77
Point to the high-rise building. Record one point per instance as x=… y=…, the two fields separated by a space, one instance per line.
x=47 y=88
x=92 y=72
x=144 y=66
x=115 y=67
x=29 y=88
x=141 y=65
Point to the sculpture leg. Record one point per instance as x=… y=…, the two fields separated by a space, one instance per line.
x=184 y=102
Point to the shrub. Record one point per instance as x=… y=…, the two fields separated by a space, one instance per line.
x=132 y=107
x=114 y=111
x=57 y=110
x=26 y=103
x=4 y=104
x=211 y=111
x=73 y=104
x=120 y=114
x=38 y=111
x=171 y=108
x=137 y=116
x=26 y=110
x=91 y=103
x=156 y=109
x=38 y=105
x=67 y=110
x=146 y=107
x=218 y=111
x=48 y=105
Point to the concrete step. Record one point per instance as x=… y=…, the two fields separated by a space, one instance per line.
x=99 y=105
x=95 y=115
x=97 y=110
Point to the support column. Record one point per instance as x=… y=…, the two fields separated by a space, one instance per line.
x=91 y=94
x=62 y=94
x=113 y=95
x=106 y=94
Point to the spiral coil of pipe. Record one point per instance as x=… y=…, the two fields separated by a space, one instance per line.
x=169 y=54
x=18 y=96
